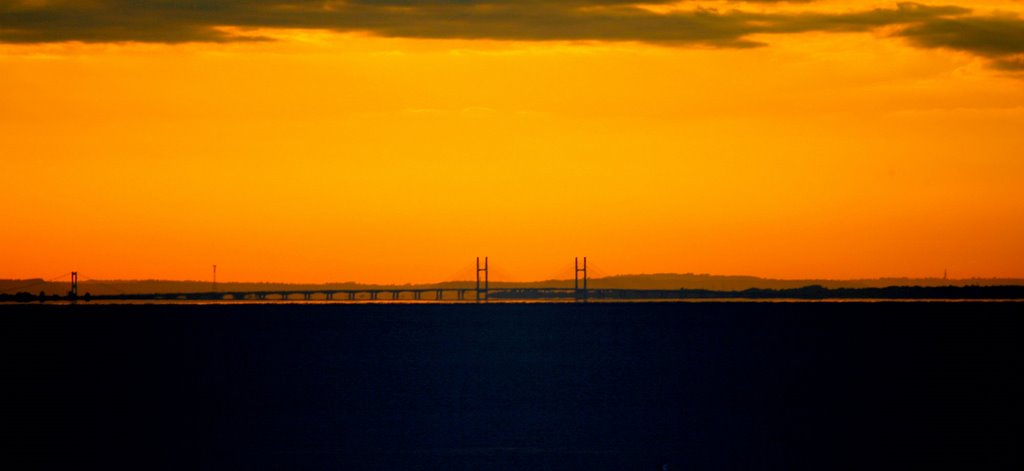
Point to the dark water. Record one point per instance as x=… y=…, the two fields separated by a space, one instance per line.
x=513 y=386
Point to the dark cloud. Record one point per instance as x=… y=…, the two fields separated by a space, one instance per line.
x=994 y=36
x=171 y=21
x=903 y=14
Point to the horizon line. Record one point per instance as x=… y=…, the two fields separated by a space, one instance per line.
x=470 y=280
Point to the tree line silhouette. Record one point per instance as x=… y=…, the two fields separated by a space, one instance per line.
x=813 y=292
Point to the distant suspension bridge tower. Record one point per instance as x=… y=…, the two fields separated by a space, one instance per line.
x=481 y=294
x=581 y=295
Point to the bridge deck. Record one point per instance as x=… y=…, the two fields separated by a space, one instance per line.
x=396 y=294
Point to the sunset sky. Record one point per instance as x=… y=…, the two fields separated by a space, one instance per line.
x=394 y=141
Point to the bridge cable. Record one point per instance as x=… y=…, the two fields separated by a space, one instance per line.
x=36 y=283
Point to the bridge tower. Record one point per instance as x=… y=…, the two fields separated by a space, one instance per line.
x=73 y=294
x=581 y=295
x=481 y=294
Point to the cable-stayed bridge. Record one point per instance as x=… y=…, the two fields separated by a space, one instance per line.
x=480 y=292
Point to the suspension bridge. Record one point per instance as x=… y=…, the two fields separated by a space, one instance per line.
x=480 y=292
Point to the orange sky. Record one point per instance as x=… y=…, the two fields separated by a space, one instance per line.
x=321 y=155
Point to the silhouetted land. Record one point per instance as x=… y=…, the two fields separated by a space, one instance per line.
x=499 y=294
x=662 y=281
x=617 y=386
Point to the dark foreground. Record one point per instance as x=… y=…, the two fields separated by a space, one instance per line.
x=512 y=386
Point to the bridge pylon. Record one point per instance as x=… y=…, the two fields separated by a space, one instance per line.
x=482 y=294
x=73 y=294
x=581 y=295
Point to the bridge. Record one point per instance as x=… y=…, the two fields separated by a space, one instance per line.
x=404 y=294
x=481 y=292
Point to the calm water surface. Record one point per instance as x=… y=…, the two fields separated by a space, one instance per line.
x=704 y=385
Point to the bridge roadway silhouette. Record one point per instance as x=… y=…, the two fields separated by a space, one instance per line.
x=481 y=292
x=404 y=294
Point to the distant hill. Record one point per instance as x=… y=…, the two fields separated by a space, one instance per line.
x=735 y=283
x=653 y=281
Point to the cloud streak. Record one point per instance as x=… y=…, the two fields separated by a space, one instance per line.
x=1000 y=38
